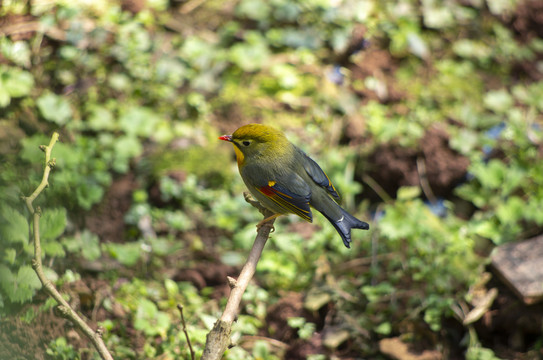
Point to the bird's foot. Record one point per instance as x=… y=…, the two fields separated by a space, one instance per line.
x=266 y=221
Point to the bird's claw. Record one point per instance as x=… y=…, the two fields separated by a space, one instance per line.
x=258 y=227
x=267 y=221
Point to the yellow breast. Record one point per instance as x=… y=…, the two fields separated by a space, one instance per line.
x=239 y=156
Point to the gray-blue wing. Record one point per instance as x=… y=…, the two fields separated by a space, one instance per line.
x=318 y=175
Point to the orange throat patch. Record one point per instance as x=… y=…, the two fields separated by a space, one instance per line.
x=239 y=156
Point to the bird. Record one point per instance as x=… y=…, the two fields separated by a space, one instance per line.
x=285 y=180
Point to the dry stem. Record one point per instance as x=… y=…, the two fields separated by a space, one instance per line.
x=94 y=336
x=218 y=339
x=180 y=308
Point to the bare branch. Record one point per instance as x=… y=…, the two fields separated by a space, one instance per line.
x=180 y=307
x=218 y=339
x=66 y=310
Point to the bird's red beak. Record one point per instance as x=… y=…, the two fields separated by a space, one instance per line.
x=226 y=138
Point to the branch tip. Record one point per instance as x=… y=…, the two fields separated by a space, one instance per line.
x=43 y=148
x=100 y=331
x=180 y=307
x=232 y=282
x=64 y=311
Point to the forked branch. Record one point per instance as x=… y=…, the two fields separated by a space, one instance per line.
x=218 y=339
x=65 y=309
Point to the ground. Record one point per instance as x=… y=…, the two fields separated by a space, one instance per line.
x=510 y=328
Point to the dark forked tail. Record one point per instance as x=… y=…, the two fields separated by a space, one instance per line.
x=344 y=225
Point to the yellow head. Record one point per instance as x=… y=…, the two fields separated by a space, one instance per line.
x=257 y=141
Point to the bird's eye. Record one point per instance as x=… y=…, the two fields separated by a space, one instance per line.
x=246 y=143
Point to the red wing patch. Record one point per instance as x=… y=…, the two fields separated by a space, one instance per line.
x=292 y=203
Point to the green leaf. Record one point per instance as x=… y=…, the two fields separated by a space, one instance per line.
x=31 y=148
x=491 y=175
x=408 y=192
x=375 y=293
x=21 y=287
x=54 y=108
x=251 y=55
x=498 y=101
x=13 y=226
x=465 y=141
x=487 y=229
x=53 y=248
x=472 y=49
x=16 y=51
x=480 y=353
x=437 y=16
x=91 y=246
x=171 y=287
x=85 y=243
x=14 y=82
x=258 y=10
x=6 y=277
x=150 y=320
x=139 y=121
x=10 y=255
x=126 y=148
x=127 y=254
x=384 y=328
x=27 y=275
x=19 y=83
x=316 y=299
x=88 y=194
x=305 y=329
x=101 y=119
x=511 y=210
x=5 y=99
x=162 y=246
x=52 y=223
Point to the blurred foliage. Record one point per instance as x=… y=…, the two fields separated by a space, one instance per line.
x=145 y=90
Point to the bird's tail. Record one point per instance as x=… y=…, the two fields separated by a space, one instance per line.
x=344 y=225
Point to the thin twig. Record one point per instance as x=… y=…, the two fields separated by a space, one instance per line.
x=188 y=7
x=374 y=185
x=34 y=27
x=246 y=274
x=218 y=339
x=274 y=342
x=180 y=307
x=423 y=179
x=66 y=310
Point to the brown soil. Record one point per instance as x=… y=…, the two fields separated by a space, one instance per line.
x=528 y=19
x=291 y=305
x=378 y=63
x=392 y=166
x=528 y=24
x=206 y=273
x=107 y=219
x=22 y=340
x=30 y=340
